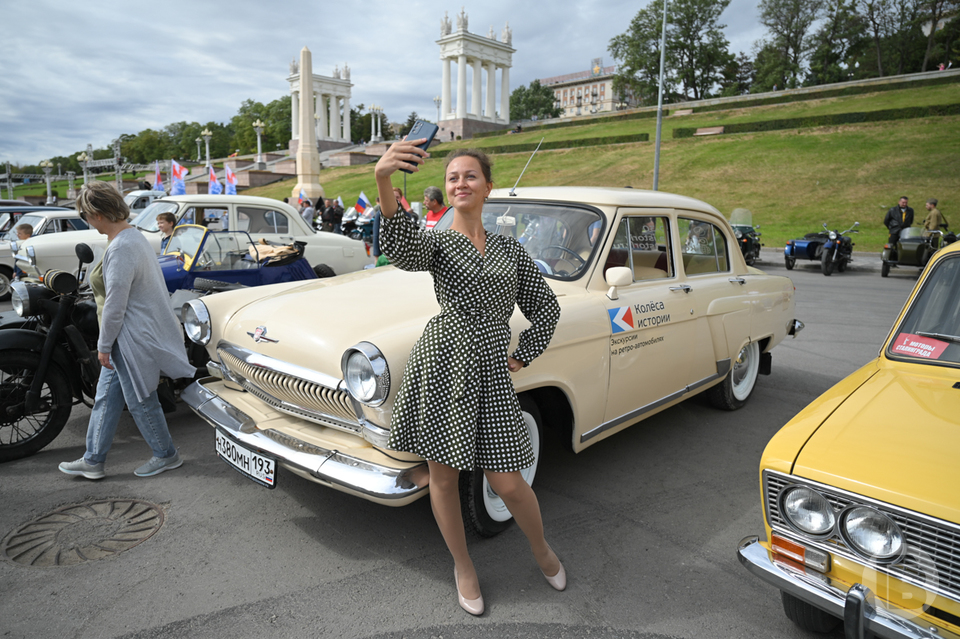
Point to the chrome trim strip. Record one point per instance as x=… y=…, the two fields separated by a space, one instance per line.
x=723 y=367
x=824 y=593
x=299 y=411
x=279 y=366
x=329 y=466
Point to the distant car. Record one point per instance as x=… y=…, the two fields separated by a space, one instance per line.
x=12 y=202
x=861 y=490
x=139 y=200
x=44 y=220
x=305 y=375
x=261 y=217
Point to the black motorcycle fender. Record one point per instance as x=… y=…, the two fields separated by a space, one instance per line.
x=19 y=339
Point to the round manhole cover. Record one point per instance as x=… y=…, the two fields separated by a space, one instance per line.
x=83 y=532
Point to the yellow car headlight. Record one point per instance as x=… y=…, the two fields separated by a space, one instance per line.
x=808 y=511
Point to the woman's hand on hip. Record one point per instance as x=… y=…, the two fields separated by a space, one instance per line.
x=514 y=364
x=104 y=360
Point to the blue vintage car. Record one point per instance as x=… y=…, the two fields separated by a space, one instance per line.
x=229 y=256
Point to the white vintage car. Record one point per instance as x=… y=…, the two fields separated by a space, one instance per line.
x=44 y=220
x=649 y=317
x=260 y=217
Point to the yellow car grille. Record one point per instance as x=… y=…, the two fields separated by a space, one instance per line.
x=291 y=394
x=932 y=560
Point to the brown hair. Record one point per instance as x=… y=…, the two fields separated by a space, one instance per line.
x=26 y=228
x=103 y=199
x=167 y=217
x=485 y=164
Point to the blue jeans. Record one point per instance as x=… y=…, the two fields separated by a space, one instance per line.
x=115 y=389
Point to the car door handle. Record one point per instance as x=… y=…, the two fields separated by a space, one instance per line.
x=737 y=280
x=683 y=287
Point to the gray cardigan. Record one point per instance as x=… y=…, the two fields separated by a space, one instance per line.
x=137 y=314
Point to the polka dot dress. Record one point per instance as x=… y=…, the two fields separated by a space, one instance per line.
x=456 y=404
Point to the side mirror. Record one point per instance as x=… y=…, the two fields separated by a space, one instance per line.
x=14 y=247
x=617 y=276
x=84 y=253
x=856 y=224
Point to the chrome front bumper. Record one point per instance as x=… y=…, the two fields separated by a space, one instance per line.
x=356 y=476
x=861 y=616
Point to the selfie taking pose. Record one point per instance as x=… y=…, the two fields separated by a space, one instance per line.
x=456 y=406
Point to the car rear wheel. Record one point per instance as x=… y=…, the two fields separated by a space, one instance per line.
x=322 y=270
x=484 y=513
x=884 y=269
x=789 y=262
x=733 y=392
x=806 y=616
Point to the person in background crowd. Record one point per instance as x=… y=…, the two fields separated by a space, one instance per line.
x=140 y=338
x=934 y=220
x=433 y=202
x=165 y=222
x=308 y=213
x=327 y=216
x=337 y=217
x=898 y=218
x=24 y=232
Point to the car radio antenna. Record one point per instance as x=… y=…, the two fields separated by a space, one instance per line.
x=525 y=168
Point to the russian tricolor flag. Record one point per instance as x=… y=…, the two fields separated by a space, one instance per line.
x=362 y=203
x=302 y=197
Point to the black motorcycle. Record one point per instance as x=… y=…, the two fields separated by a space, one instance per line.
x=748 y=235
x=837 y=250
x=48 y=359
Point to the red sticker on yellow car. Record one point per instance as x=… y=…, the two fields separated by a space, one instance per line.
x=926 y=347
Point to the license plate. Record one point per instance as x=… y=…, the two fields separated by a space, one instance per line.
x=251 y=465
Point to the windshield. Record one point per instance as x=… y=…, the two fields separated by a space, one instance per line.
x=130 y=198
x=4 y=220
x=186 y=240
x=911 y=232
x=147 y=220
x=741 y=217
x=561 y=238
x=930 y=332
x=36 y=221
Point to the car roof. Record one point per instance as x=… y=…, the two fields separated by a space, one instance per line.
x=605 y=196
x=36 y=209
x=212 y=200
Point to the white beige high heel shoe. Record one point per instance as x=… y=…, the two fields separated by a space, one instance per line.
x=473 y=606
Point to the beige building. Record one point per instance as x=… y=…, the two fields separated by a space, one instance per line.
x=585 y=92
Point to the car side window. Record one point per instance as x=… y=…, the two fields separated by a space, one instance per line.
x=50 y=227
x=73 y=224
x=704 y=247
x=188 y=216
x=642 y=244
x=256 y=220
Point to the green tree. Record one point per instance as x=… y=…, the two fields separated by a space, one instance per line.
x=840 y=39
x=789 y=23
x=696 y=51
x=737 y=76
x=533 y=101
x=406 y=126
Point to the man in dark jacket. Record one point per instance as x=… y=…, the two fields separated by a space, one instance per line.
x=897 y=219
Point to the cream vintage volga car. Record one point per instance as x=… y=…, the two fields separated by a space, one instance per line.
x=656 y=302
x=861 y=490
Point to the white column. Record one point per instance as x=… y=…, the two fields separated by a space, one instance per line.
x=445 y=90
x=490 y=112
x=461 y=86
x=505 y=95
x=317 y=104
x=373 y=125
x=346 y=119
x=295 y=111
x=335 y=117
x=475 y=98
x=322 y=110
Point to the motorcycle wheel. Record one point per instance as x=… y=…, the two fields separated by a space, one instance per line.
x=23 y=435
x=884 y=269
x=789 y=262
x=826 y=264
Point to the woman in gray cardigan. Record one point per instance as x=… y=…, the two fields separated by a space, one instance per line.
x=140 y=338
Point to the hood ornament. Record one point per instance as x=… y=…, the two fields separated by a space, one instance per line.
x=260 y=335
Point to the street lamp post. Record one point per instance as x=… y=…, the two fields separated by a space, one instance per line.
x=47 y=167
x=437 y=101
x=83 y=158
x=198 y=141
x=663 y=55
x=258 y=127
x=207 y=134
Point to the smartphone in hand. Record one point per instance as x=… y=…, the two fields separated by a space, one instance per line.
x=419 y=130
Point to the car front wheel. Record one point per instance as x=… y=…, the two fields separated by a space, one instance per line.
x=484 y=513
x=733 y=392
x=789 y=262
x=806 y=616
x=5 y=276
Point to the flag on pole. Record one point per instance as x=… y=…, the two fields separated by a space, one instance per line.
x=302 y=197
x=231 y=179
x=157 y=178
x=215 y=188
x=340 y=201
x=362 y=203
x=177 y=174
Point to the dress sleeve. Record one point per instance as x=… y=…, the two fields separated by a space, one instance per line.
x=539 y=305
x=407 y=246
x=117 y=281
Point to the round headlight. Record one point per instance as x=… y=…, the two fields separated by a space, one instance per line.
x=832 y=235
x=196 y=322
x=871 y=533
x=366 y=374
x=807 y=510
x=737 y=233
x=20 y=298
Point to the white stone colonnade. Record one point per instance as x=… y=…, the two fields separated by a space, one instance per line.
x=331 y=95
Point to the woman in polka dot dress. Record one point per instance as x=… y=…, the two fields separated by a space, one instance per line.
x=456 y=406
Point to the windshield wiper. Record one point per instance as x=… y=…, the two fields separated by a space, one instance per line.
x=947 y=338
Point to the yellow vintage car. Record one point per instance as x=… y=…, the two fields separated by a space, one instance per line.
x=657 y=305
x=861 y=490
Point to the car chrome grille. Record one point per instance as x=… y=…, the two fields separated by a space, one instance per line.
x=933 y=556
x=289 y=393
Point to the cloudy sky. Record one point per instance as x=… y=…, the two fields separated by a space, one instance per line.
x=73 y=73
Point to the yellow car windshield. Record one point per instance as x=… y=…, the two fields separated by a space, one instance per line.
x=930 y=332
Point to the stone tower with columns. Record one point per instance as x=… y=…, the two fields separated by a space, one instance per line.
x=481 y=54
x=329 y=107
